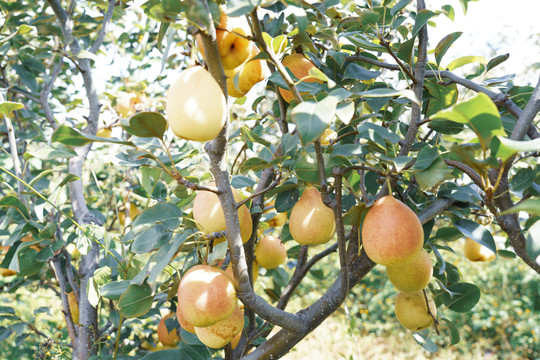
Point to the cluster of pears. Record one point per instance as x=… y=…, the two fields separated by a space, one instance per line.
x=392 y=235
x=208 y=306
x=237 y=53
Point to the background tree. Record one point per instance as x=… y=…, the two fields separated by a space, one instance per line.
x=457 y=149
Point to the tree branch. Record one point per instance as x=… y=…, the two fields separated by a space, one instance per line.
x=526 y=118
x=46 y=91
x=104 y=27
x=418 y=87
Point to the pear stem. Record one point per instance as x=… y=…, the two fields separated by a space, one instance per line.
x=389 y=185
x=435 y=321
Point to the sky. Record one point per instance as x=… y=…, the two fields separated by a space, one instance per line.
x=493 y=27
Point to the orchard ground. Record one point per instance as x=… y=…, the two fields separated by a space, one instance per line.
x=505 y=324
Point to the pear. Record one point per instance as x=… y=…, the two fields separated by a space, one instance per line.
x=196 y=107
x=392 y=234
x=164 y=336
x=477 y=252
x=300 y=66
x=412 y=276
x=209 y=217
x=205 y=296
x=412 y=311
x=270 y=252
x=221 y=333
x=311 y=221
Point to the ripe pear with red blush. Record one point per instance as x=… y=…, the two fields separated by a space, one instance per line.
x=205 y=296
x=311 y=221
x=392 y=234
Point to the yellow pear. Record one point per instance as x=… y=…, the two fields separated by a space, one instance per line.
x=311 y=222
x=165 y=337
x=246 y=75
x=104 y=133
x=128 y=104
x=196 y=107
x=221 y=333
x=205 y=296
x=299 y=66
x=392 y=234
x=270 y=252
x=412 y=276
x=209 y=217
x=183 y=322
x=232 y=41
x=412 y=311
x=477 y=252
x=327 y=137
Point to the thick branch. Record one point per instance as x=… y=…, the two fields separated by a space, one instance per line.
x=216 y=150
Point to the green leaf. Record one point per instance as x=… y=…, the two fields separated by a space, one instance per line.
x=476 y=232
x=454 y=332
x=69 y=178
x=162 y=213
x=114 y=290
x=448 y=10
x=14 y=202
x=312 y=118
x=151 y=239
x=345 y=111
x=399 y=6
x=432 y=175
x=424 y=341
x=185 y=351
x=357 y=40
x=306 y=168
x=50 y=152
x=376 y=133
x=445 y=43
x=460 y=193
x=145 y=124
x=166 y=254
x=385 y=92
x=237 y=8
x=530 y=206
x=421 y=19
x=7 y=107
x=464 y=60
x=285 y=200
x=465 y=297
x=135 y=301
x=441 y=96
x=507 y=148
x=533 y=241
x=497 y=60
x=479 y=113
x=68 y=136
x=254 y=164
x=425 y=158
x=354 y=71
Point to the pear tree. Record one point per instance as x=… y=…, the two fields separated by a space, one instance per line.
x=157 y=154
